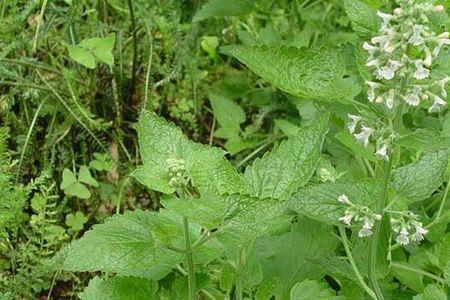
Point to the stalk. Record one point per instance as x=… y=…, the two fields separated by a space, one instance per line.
x=353 y=264
x=239 y=265
x=381 y=202
x=190 y=261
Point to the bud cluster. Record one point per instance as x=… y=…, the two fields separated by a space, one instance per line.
x=406 y=45
x=177 y=171
x=359 y=214
x=407 y=227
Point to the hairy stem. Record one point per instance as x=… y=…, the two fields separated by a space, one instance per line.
x=381 y=202
x=353 y=264
x=190 y=261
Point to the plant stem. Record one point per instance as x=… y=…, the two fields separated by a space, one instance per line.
x=418 y=271
x=190 y=261
x=381 y=203
x=353 y=264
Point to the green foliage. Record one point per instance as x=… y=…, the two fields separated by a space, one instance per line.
x=310 y=290
x=89 y=51
x=417 y=181
x=219 y=8
x=302 y=72
x=74 y=186
x=364 y=19
x=118 y=288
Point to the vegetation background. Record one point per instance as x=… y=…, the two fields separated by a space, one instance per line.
x=74 y=77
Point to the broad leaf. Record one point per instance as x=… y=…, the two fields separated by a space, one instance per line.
x=432 y=292
x=220 y=8
x=364 y=18
x=229 y=115
x=313 y=290
x=288 y=257
x=72 y=187
x=417 y=181
x=282 y=171
x=320 y=201
x=206 y=166
x=424 y=140
x=119 y=288
x=316 y=74
x=124 y=244
x=84 y=176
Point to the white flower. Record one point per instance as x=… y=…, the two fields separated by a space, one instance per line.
x=398 y=11
x=366 y=229
x=439 y=8
x=384 y=41
x=351 y=126
x=390 y=98
x=388 y=72
x=413 y=97
x=419 y=234
x=343 y=199
x=386 y=18
x=437 y=105
x=403 y=238
x=442 y=84
x=364 y=135
x=371 y=92
x=421 y=72
x=371 y=49
x=347 y=218
x=373 y=63
x=443 y=39
x=377 y=217
x=416 y=37
x=382 y=152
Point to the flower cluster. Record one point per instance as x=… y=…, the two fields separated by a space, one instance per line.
x=408 y=228
x=390 y=54
x=358 y=214
x=363 y=131
x=177 y=171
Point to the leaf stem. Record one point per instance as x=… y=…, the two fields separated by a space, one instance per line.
x=353 y=264
x=418 y=271
x=239 y=265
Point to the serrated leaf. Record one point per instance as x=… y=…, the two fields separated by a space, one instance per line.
x=364 y=18
x=320 y=201
x=282 y=171
x=206 y=166
x=424 y=140
x=288 y=257
x=119 y=288
x=313 y=290
x=125 y=245
x=220 y=8
x=417 y=181
x=316 y=74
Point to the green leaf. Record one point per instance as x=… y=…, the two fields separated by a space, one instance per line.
x=432 y=292
x=358 y=149
x=417 y=181
x=220 y=8
x=316 y=74
x=72 y=187
x=81 y=56
x=424 y=140
x=364 y=19
x=119 y=288
x=287 y=127
x=154 y=177
x=76 y=221
x=229 y=114
x=84 y=176
x=288 y=257
x=411 y=279
x=101 y=48
x=282 y=171
x=206 y=166
x=313 y=290
x=320 y=201
x=251 y=218
x=125 y=245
